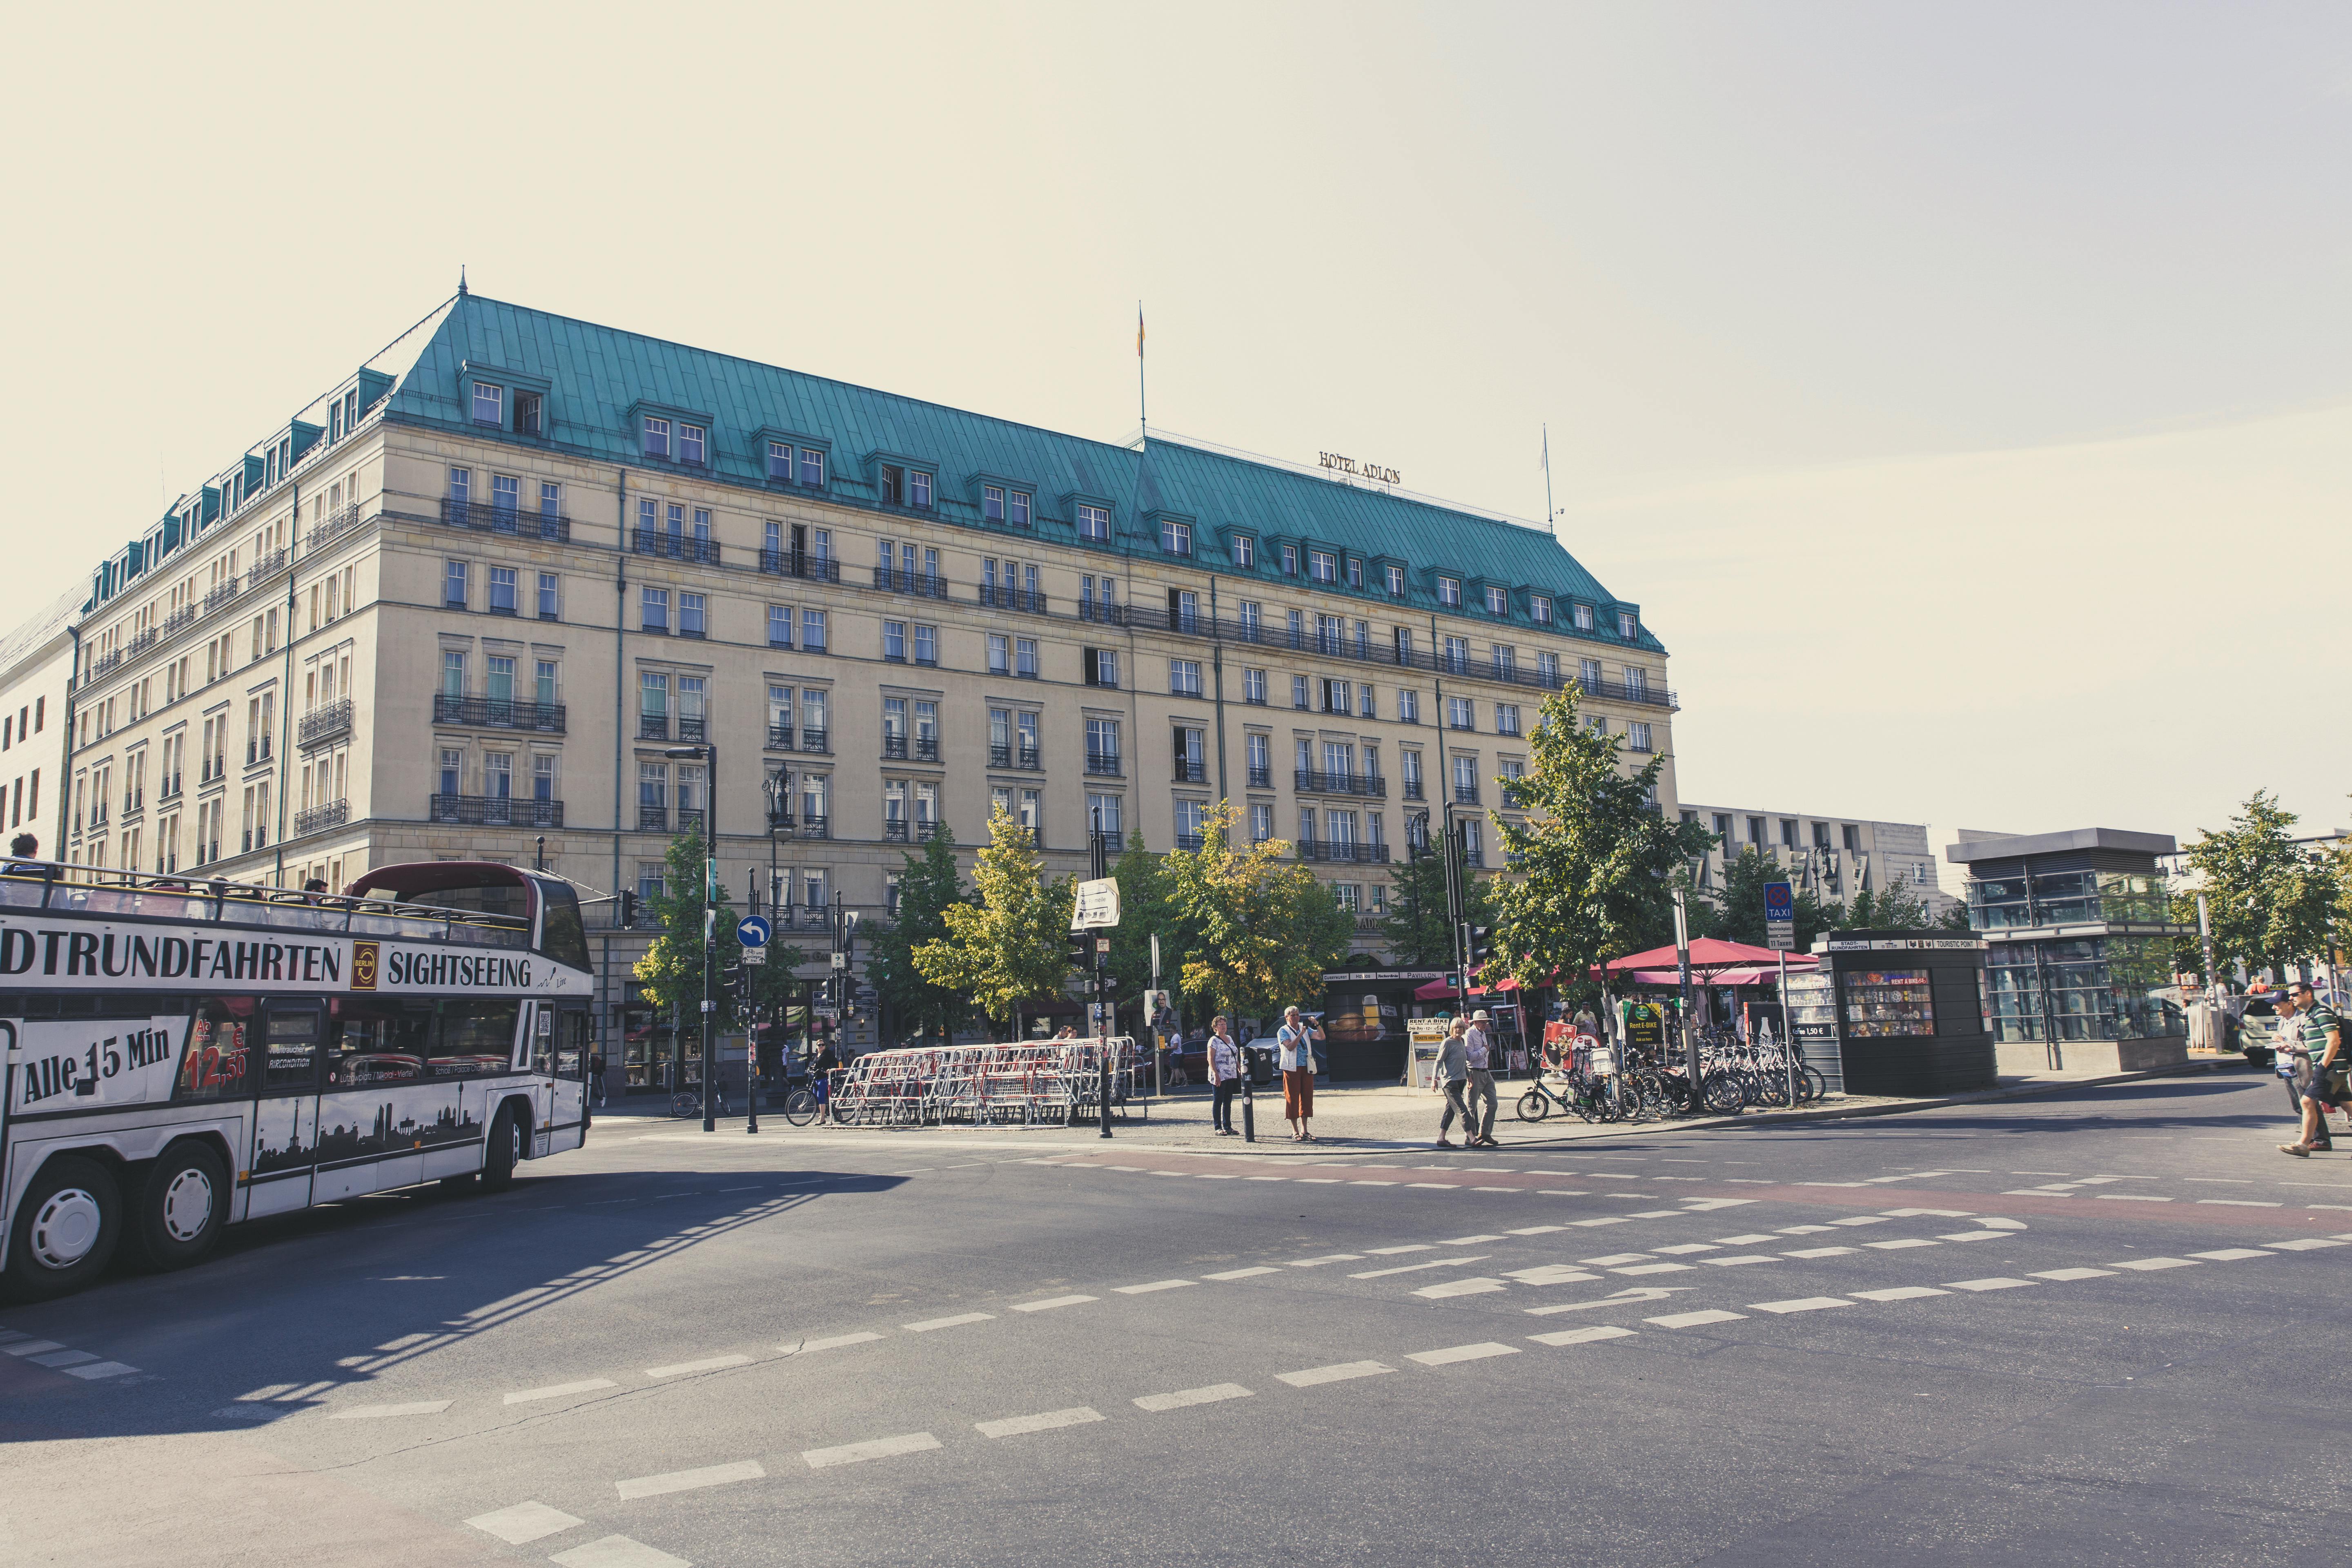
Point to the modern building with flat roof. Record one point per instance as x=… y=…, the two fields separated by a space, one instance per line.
x=467 y=600
x=1836 y=857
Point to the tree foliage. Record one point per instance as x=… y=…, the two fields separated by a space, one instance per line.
x=927 y=888
x=1146 y=905
x=669 y=975
x=1894 y=907
x=1418 y=928
x=1595 y=860
x=1258 y=934
x=2269 y=901
x=1735 y=912
x=1005 y=946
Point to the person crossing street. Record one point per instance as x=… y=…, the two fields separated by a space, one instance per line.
x=1294 y=1054
x=1451 y=1072
x=1477 y=1051
x=1224 y=1074
x=2312 y=1030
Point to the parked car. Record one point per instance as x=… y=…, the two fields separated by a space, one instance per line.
x=2258 y=1029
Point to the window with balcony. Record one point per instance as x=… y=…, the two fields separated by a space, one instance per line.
x=779 y=717
x=1261 y=823
x=693 y=713
x=1191 y=765
x=1637 y=683
x=653 y=610
x=1261 y=762
x=1102 y=748
x=652 y=706
x=1191 y=817
x=1458 y=656
x=814 y=731
x=1409 y=773
x=1465 y=781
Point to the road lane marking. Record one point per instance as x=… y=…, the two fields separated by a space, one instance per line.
x=1452 y=1354
x=1655 y=1269
x=2240 y=1204
x=554 y=1391
x=1753 y=1239
x=1820 y=1252
x=2232 y=1254
x=1589 y=1223
x=1481 y=1240
x=2132 y=1197
x=1331 y=1257
x=957 y=1322
x=1684 y=1248
x=2146 y=1265
x=1926 y=1213
x=1693 y=1319
x=618 y=1551
x=875 y=1448
x=1613 y=1260
x=714 y=1364
x=1479 y=1286
x=1340 y=1372
x=690 y=1480
x=1798 y=1304
x=1243 y=1273
x=379 y=1412
x=1537 y=1229
x=31 y=1347
x=2303 y=1245
x=2065 y=1275
x=1898 y=1245
x=1415 y=1267
x=1655 y=1213
x=1050 y=1303
x=1804 y=1230
x=1861 y=1219
x=1392 y=1251
x=525 y=1522
x=1442 y=1186
x=1994 y=1282
x=1551 y=1274
x=1020 y=1426
x=1155 y=1285
x=1745 y=1258
x=97 y=1371
x=833 y=1343
x=1900 y=1293
x=1185 y=1397
x=1973 y=1236
x=1582 y=1336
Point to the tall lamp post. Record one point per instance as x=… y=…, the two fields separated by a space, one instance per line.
x=709 y=751
x=779 y=788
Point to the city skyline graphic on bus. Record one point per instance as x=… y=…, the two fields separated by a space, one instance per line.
x=389 y=1132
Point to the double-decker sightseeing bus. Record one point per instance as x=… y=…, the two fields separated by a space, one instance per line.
x=184 y=1055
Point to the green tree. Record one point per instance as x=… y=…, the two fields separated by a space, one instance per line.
x=1886 y=909
x=1417 y=927
x=927 y=888
x=1259 y=933
x=1956 y=918
x=1735 y=912
x=2268 y=899
x=669 y=975
x=1145 y=906
x=1594 y=862
x=1006 y=947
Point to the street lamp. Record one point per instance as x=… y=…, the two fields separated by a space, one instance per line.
x=778 y=788
x=709 y=751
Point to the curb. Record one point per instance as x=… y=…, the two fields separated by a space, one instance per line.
x=1980 y=1097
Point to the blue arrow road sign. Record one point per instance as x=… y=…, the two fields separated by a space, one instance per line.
x=752 y=930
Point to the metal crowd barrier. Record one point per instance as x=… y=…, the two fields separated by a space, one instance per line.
x=1028 y=1083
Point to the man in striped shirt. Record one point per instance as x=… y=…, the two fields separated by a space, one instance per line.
x=2321 y=1042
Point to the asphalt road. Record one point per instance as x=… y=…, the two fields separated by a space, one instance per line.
x=2101 y=1326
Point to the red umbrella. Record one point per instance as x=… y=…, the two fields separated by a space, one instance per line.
x=1706 y=953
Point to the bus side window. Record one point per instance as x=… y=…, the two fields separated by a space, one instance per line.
x=572 y=1053
x=215 y=1067
x=372 y=1041
x=478 y=1036
x=293 y=1062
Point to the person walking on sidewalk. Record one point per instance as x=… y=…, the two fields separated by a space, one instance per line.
x=1477 y=1051
x=2319 y=1041
x=1224 y=1074
x=1452 y=1071
x=1295 y=1055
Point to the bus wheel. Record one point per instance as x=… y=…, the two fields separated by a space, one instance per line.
x=176 y=1209
x=67 y=1226
x=503 y=1151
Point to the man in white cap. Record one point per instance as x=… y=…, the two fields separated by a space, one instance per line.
x=1476 y=1047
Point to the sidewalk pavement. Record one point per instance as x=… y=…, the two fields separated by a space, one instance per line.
x=1381 y=1118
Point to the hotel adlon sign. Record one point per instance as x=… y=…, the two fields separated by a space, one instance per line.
x=1372 y=471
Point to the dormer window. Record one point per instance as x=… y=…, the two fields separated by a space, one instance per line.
x=1396 y=582
x=1245 y=549
x=780 y=461
x=1580 y=616
x=693 y=444
x=1093 y=523
x=657 y=437
x=1498 y=601
x=1355 y=573
x=528 y=420
x=1449 y=591
x=1290 y=561
x=893 y=484
x=919 y=488
x=1627 y=626
x=1539 y=609
x=1018 y=503
x=992 y=503
x=489 y=404
x=812 y=467
x=1175 y=538
x=1322 y=565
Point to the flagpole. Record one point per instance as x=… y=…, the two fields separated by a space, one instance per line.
x=1142 y=407
x=1551 y=518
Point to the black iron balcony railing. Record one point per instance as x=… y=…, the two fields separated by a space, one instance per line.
x=498 y=713
x=1361 y=852
x=780 y=737
x=485 y=518
x=1261 y=777
x=814 y=740
x=693 y=730
x=1189 y=843
x=1413 y=790
x=1024 y=757
x=264 y=567
x=814 y=826
x=1107 y=615
x=674 y=546
x=894 y=745
x=690 y=818
x=652 y=818
x=319 y=818
x=328 y=721
x=1191 y=772
x=1011 y=598
x=653 y=726
x=1476 y=856
x=1465 y=795
x=1312 y=781
x=500 y=810
x=800 y=563
x=339 y=521
x=898 y=580
x=167 y=787
x=894 y=832
x=221 y=593
x=1104 y=766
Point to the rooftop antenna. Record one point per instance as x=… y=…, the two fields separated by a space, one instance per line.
x=1551 y=517
x=1142 y=407
x=461 y=279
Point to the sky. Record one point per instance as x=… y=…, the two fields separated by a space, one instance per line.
x=1965 y=393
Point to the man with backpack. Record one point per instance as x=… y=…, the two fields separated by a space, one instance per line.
x=2311 y=1028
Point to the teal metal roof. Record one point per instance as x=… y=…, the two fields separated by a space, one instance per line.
x=596 y=379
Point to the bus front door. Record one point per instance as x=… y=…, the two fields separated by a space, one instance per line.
x=286 y=1120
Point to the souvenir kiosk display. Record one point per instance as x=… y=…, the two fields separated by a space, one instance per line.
x=1892 y=1011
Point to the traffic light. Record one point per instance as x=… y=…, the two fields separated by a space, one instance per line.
x=1481 y=944
x=629 y=910
x=731 y=979
x=1081 y=948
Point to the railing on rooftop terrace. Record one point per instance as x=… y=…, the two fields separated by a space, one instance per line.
x=484 y=518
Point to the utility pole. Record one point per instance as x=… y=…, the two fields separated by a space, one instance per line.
x=1101 y=945
x=1690 y=1029
x=709 y=751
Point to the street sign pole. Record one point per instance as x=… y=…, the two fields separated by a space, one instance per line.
x=1690 y=1030
x=1780 y=935
x=752 y=931
x=1151 y=1022
x=1102 y=954
x=1788 y=1038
